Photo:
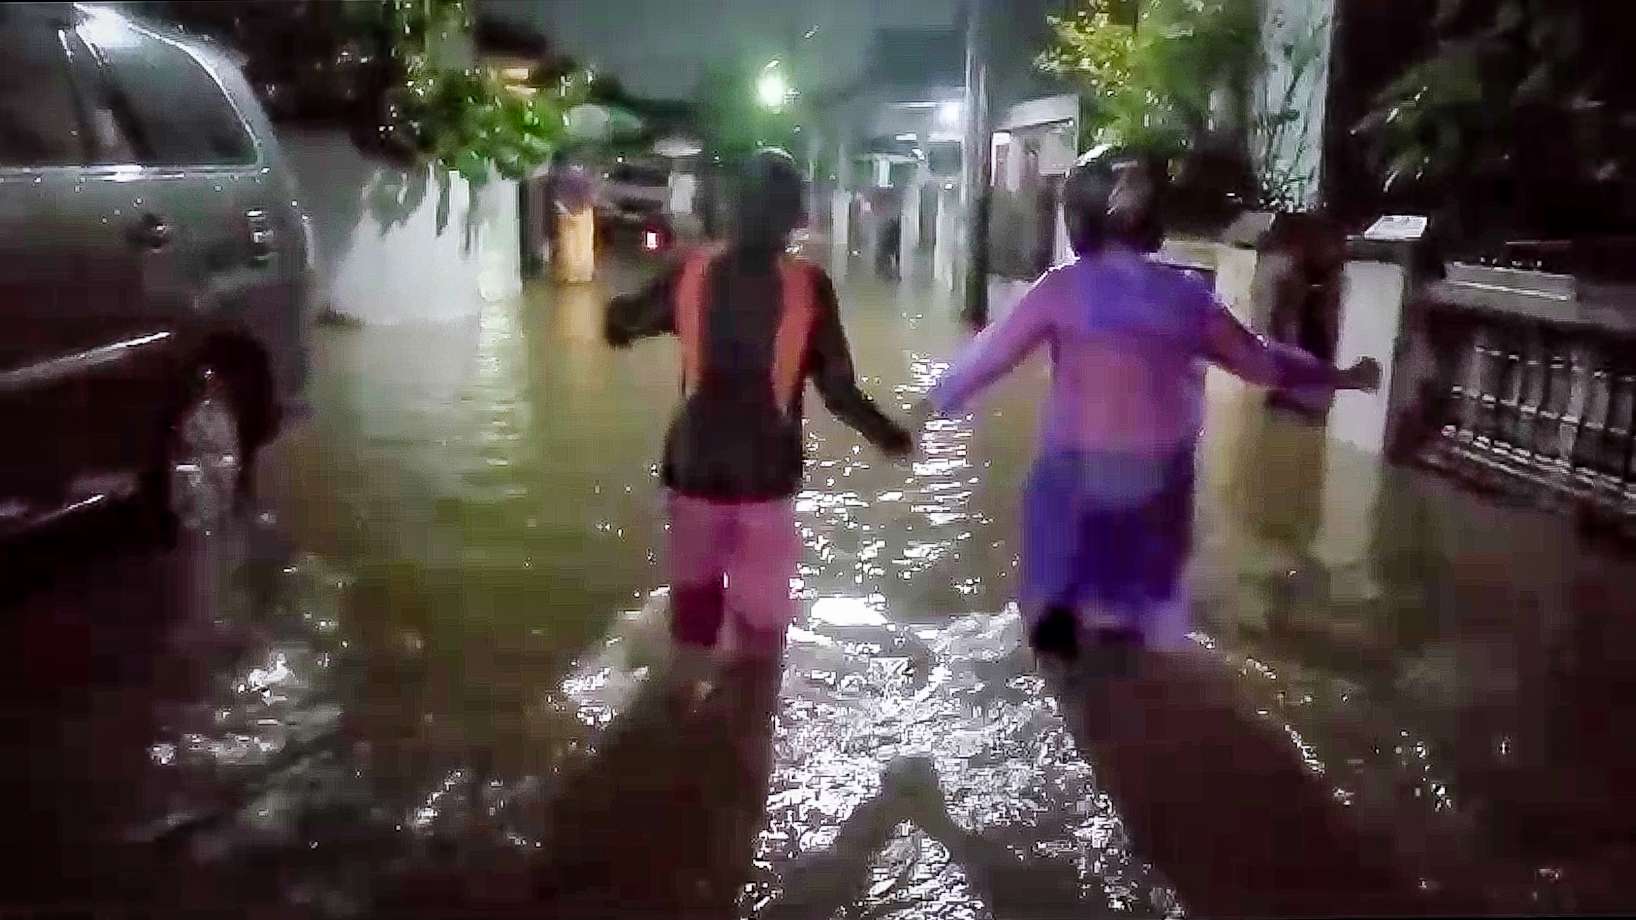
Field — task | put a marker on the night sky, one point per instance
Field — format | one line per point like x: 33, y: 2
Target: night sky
x: 659, y: 48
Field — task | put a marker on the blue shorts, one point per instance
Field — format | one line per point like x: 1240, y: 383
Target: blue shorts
x: 1108, y: 534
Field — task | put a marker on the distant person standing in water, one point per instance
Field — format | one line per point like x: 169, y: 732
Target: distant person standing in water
x: 886, y: 257
x: 754, y: 324
x: 573, y: 251
x: 1108, y: 508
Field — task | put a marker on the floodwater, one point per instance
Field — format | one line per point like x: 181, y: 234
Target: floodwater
x: 426, y: 675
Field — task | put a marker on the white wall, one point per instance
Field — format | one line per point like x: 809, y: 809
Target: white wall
x: 1041, y: 111
x: 410, y: 273
x: 948, y: 242
x: 1371, y: 315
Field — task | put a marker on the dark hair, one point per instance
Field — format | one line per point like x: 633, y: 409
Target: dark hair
x: 1115, y: 196
x: 771, y: 193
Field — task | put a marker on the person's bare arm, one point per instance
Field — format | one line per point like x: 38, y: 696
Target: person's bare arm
x: 650, y: 312
x: 1252, y: 358
x: 837, y: 382
x: 994, y: 353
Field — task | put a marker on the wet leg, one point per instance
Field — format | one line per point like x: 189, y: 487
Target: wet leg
x: 1056, y: 632
x: 766, y: 550
x: 698, y: 543
x: 1050, y: 559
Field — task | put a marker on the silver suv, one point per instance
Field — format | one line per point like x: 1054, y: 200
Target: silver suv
x: 154, y: 270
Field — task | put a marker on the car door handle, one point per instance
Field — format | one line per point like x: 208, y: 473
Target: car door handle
x: 262, y: 235
x: 150, y: 232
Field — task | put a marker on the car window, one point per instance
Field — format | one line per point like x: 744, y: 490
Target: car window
x: 173, y: 110
x: 38, y: 122
x: 108, y: 139
x: 637, y: 175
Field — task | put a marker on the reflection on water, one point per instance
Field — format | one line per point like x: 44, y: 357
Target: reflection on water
x: 434, y: 675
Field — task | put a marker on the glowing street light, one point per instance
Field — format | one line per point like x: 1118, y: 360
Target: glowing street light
x: 771, y: 88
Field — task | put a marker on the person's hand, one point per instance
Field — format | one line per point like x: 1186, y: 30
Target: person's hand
x: 1363, y: 375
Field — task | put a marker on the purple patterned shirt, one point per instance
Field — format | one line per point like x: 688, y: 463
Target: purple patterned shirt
x: 1129, y: 339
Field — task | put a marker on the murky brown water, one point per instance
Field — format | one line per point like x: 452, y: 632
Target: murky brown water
x: 424, y: 680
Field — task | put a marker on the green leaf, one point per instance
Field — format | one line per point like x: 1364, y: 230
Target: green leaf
x: 536, y: 148
x: 1409, y: 167
x: 447, y: 142
x: 463, y: 119
x: 472, y: 166
x: 511, y: 168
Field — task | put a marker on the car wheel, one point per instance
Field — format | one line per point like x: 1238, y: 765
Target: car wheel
x: 206, y: 460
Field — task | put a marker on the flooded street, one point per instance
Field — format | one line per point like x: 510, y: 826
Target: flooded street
x: 422, y: 678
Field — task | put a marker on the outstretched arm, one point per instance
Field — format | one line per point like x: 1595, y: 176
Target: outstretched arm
x: 650, y: 312
x: 995, y: 352
x: 1256, y: 360
x: 837, y: 383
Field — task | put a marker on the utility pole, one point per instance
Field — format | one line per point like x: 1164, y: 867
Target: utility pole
x: 976, y: 171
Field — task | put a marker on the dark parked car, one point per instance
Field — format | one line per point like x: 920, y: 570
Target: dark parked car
x: 631, y: 213
x: 154, y: 270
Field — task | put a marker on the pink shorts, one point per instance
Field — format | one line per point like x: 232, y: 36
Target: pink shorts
x: 732, y: 558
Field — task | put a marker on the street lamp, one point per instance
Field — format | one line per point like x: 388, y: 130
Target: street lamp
x: 771, y: 87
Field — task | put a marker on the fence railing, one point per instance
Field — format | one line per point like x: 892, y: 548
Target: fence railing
x: 1550, y: 406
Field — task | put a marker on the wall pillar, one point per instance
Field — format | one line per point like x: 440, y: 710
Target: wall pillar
x: 840, y: 205
x: 909, y: 220
x: 946, y: 243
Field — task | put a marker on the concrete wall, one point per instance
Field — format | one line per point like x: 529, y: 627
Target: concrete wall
x: 947, y: 243
x: 1040, y: 111
x: 410, y: 272
x: 1371, y: 316
x: 1339, y: 478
